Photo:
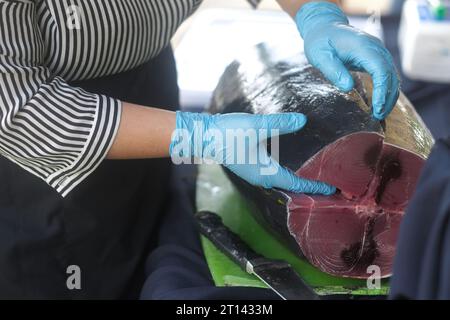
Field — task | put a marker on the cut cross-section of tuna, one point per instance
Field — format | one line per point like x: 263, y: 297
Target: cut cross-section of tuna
x: 342, y: 238
x: 375, y: 165
x: 356, y: 228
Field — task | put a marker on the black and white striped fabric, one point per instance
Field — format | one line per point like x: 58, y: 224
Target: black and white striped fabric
x: 57, y: 132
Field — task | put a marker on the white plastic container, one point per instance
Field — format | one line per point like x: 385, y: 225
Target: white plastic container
x: 424, y: 43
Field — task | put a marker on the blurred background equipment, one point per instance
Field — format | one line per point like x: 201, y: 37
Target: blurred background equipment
x: 364, y: 7
x: 216, y: 34
x: 424, y: 40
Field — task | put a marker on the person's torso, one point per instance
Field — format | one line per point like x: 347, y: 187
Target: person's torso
x: 106, y: 226
x: 85, y: 39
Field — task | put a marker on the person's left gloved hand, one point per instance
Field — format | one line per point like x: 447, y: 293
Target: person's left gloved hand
x: 236, y: 140
x: 335, y: 47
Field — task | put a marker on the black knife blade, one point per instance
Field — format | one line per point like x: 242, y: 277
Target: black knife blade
x: 276, y: 274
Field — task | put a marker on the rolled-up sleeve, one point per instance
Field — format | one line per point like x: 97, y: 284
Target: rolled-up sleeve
x: 54, y: 131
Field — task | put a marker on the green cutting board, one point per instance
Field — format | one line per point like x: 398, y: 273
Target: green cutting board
x: 216, y: 193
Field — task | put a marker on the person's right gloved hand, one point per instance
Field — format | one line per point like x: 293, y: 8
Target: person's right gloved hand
x: 335, y: 47
x: 207, y: 137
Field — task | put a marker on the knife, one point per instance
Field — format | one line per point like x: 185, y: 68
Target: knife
x: 276, y: 274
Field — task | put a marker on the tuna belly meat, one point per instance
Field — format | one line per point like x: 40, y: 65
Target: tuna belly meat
x: 356, y: 228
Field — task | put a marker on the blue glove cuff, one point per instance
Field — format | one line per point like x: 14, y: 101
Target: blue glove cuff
x: 189, y: 128
x: 313, y: 14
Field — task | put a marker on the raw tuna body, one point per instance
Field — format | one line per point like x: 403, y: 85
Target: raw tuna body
x: 374, y: 165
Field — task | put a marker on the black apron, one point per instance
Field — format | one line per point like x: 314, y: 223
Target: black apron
x: 106, y: 226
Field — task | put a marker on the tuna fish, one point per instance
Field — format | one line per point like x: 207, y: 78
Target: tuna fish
x: 375, y: 165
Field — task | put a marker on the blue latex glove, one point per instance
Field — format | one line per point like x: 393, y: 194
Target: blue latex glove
x: 204, y: 136
x: 335, y: 47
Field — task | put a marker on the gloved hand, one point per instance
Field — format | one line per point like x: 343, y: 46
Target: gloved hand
x: 208, y: 137
x: 335, y: 47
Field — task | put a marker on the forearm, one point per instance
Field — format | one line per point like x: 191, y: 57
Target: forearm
x: 146, y: 132
x: 292, y: 6
x: 143, y: 133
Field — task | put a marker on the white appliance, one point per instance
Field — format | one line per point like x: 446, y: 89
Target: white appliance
x: 424, y: 40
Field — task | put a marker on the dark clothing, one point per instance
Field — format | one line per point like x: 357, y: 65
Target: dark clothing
x: 177, y: 269
x: 105, y: 226
x: 422, y: 263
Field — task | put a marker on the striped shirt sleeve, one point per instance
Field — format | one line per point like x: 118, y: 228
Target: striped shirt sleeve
x: 54, y: 131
